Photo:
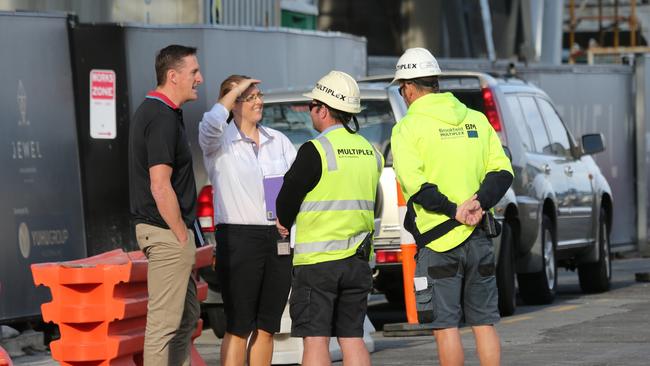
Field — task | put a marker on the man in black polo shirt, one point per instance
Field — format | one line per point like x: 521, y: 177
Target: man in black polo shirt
x: 163, y: 205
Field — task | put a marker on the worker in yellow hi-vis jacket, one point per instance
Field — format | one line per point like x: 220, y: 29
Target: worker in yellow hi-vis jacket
x: 452, y: 170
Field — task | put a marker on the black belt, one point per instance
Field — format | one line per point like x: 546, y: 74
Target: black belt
x: 239, y: 227
x: 422, y: 239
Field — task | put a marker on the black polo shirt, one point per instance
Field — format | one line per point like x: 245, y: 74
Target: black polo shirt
x: 157, y: 136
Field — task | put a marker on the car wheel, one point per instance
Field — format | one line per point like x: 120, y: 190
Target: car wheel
x: 595, y: 277
x: 217, y: 319
x: 506, y: 272
x: 539, y: 287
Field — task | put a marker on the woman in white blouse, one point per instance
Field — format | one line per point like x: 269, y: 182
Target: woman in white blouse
x: 254, y: 269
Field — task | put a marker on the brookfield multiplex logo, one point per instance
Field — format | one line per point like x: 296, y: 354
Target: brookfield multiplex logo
x: 459, y: 132
x: 471, y: 130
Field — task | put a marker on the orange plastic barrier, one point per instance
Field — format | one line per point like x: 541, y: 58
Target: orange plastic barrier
x: 408, y: 261
x: 100, y: 306
x: 4, y: 358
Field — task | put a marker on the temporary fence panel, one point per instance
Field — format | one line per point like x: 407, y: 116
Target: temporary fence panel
x: 41, y: 217
x: 642, y: 139
x: 100, y: 87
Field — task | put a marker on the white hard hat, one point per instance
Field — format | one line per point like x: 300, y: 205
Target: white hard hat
x: 339, y: 91
x: 416, y: 63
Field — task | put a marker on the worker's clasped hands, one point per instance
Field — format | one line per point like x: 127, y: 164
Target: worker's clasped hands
x: 469, y: 212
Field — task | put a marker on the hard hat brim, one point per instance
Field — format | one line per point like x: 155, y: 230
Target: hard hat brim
x: 311, y: 95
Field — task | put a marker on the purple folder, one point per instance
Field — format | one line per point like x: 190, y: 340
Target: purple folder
x: 272, y: 185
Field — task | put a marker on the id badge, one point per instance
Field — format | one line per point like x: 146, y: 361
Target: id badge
x: 420, y: 283
x: 283, y: 248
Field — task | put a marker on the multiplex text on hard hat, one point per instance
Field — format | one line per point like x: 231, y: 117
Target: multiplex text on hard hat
x: 339, y: 91
x: 416, y: 63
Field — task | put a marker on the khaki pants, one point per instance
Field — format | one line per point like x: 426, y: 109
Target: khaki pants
x: 173, y: 309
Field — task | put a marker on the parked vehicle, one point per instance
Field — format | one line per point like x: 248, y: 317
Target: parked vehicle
x: 558, y: 211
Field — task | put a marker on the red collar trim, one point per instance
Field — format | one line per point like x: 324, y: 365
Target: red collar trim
x: 163, y: 98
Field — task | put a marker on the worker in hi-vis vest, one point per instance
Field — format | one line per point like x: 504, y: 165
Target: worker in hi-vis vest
x: 452, y: 169
x: 329, y: 192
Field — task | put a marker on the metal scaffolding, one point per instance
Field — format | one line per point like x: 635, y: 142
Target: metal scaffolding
x: 614, y: 26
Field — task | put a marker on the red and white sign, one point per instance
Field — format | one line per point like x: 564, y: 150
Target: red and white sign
x: 102, y: 104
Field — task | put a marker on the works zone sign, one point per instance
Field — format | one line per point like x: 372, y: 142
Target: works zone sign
x: 102, y: 104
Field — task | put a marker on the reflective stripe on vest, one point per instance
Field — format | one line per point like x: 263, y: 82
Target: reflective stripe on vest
x: 329, y: 153
x: 378, y: 158
x: 338, y: 205
x: 327, y: 246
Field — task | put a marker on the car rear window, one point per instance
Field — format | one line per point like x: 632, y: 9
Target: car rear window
x: 292, y: 118
x: 471, y: 99
x: 466, y: 89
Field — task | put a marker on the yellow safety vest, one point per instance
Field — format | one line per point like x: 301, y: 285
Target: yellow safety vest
x: 338, y: 213
x: 442, y: 142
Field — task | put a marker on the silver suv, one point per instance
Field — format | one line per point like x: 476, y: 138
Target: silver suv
x: 557, y: 213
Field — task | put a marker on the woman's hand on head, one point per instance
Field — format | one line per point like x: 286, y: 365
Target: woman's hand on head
x: 237, y: 89
x: 243, y: 85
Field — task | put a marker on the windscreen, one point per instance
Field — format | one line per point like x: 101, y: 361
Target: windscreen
x: 293, y: 119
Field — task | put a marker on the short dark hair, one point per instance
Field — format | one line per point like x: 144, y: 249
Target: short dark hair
x: 425, y: 84
x: 171, y: 57
x: 339, y: 116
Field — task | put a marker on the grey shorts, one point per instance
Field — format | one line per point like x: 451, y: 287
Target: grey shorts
x: 459, y: 282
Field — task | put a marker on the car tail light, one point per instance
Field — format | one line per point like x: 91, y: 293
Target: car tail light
x: 205, y: 209
x: 388, y: 256
x: 491, y: 111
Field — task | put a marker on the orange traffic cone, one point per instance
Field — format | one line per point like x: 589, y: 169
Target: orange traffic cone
x: 409, y: 249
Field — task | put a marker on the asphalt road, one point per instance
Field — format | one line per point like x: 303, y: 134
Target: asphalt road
x: 611, y: 328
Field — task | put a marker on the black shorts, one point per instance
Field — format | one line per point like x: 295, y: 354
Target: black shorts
x: 254, y: 279
x: 330, y: 299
